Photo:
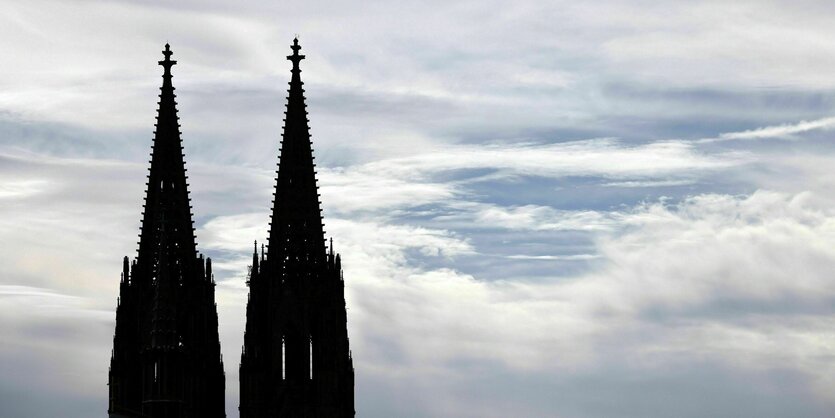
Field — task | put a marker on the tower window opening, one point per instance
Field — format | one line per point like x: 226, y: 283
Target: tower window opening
x: 283, y: 360
x: 311, y: 357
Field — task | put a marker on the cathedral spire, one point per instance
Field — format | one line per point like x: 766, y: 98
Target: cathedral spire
x: 296, y: 232
x: 167, y: 198
x: 166, y: 359
x: 296, y: 358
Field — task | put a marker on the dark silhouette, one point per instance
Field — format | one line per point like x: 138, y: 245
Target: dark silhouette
x: 166, y: 358
x: 296, y: 361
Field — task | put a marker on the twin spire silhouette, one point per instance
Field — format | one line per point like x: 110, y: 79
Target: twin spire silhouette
x: 295, y: 362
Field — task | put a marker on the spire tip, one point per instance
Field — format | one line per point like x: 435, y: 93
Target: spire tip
x: 167, y: 62
x: 295, y: 57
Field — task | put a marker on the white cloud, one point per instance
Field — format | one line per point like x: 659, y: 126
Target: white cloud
x: 650, y: 183
x: 23, y: 188
x: 661, y: 290
x: 528, y: 217
x: 363, y: 189
x: 573, y: 257
x: 785, y: 131
x: 607, y: 158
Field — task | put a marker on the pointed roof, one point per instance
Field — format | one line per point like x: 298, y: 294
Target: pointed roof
x: 167, y: 202
x: 296, y: 231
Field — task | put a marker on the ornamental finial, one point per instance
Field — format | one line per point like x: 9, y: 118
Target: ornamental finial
x: 295, y: 57
x: 167, y: 62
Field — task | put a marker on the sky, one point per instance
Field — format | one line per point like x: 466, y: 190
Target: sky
x: 544, y: 208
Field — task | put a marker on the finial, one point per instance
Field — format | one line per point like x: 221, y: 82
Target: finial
x: 295, y: 57
x: 167, y: 62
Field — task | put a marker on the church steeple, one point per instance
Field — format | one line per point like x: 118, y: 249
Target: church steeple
x: 296, y: 360
x: 166, y: 360
x: 296, y: 231
x: 167, y: 200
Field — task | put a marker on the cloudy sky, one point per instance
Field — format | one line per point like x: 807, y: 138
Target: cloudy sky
x: 545, y: 209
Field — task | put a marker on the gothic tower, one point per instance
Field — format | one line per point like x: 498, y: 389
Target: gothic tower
x: 296, y: 361
x: 166, y: 360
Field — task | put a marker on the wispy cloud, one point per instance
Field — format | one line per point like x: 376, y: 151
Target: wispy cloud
x: 528, y: 218
x: 602, y: 158
x: 573, y: 257
x: 785, y: 131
